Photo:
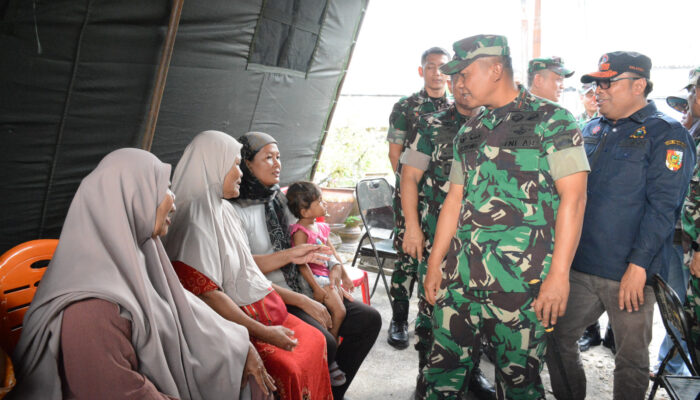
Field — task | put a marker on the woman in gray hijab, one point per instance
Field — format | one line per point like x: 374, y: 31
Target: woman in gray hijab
x: 208, y: 248
x: 110, y: 319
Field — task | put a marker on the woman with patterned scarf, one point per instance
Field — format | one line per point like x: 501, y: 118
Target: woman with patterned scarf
x: 265, y: 216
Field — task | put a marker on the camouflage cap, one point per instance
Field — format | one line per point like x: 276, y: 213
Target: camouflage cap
x: 474, y: 47
x: 693, y: 78
x: 554, y: 64
x: 586, y: 87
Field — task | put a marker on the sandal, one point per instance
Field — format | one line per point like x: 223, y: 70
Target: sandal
x: 337, y: 376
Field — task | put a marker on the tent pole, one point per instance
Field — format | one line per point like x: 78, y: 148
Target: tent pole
x: 162, y: 74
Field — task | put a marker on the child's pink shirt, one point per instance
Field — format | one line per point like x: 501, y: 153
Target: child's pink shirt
x: 323, y: 231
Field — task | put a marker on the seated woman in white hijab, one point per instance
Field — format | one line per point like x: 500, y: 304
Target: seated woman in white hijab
x: 207, y: 246
x: 110, y: 319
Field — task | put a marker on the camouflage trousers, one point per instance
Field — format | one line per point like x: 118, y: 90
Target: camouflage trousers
x: 692, y: 304
x: 406, y: 267
x: 424, y: 319
x: 506, y: 321
x: 405, y: 272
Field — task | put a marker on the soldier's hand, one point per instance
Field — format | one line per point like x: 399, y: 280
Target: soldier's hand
x: 695, y: 264
x: 551, y: 301
x: 413, y: 242
x: 432, y: 281
x: 631, y: 294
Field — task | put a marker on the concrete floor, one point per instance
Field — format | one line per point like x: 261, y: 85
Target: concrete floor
x: 388, y: 373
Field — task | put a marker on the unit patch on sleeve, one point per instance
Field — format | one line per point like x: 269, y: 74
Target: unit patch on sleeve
x: 674, y: 159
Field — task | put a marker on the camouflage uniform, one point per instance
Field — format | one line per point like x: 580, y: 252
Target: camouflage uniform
x: 690, y: 219
x: 508, y: 160
x: 431, y: 152
x: 583, y: 119
x: 402, y: 131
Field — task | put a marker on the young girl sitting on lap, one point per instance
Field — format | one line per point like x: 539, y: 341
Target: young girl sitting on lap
x: 306, y: 203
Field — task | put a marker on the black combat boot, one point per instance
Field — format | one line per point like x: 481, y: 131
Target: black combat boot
x: 398, y: 329
x: 479, y: 386
x: 590, y: 338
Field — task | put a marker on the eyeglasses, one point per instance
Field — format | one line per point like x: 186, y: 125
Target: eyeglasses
x: 605, y: 83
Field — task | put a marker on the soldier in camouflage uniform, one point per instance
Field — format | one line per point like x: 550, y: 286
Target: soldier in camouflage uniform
x: 402, y: 122
x: 590, y: 107
x: 679, y: 273
x: 545, y: 77
x: 425, y: 170
x: 691, y: 211
x: 519, y: 170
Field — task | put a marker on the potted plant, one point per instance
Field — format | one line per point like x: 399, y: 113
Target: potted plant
x: 353, y: 221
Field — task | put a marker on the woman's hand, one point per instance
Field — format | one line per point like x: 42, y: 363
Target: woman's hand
x: 347, y: 282
x: 339, y: 281
x: 320, y: 295
x: 254, y: 367
x: 317, y: 311
x: 309, y: 253
x: 279, y: 336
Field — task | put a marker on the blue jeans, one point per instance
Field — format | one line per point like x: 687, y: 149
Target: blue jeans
x: 678, y: 276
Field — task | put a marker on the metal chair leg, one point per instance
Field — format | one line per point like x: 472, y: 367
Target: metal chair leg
x: 380, y: 272
x: 374, y: 287
x: 357, y: 251
x: 386, y: 286
x: 660, y: 371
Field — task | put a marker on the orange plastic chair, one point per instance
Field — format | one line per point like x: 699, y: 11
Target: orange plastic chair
x: 21, y: 269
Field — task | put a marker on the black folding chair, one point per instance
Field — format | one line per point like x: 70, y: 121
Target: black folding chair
x: 676, y: 323
x: 374, y: 198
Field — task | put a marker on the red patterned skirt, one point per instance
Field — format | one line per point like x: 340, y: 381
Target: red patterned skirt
x: 300, y: 374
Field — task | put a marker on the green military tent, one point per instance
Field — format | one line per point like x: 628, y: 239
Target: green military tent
x: 80, y: 78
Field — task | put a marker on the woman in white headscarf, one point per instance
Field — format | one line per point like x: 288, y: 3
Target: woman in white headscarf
x: 209, y: 252
x: 110, y: 319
